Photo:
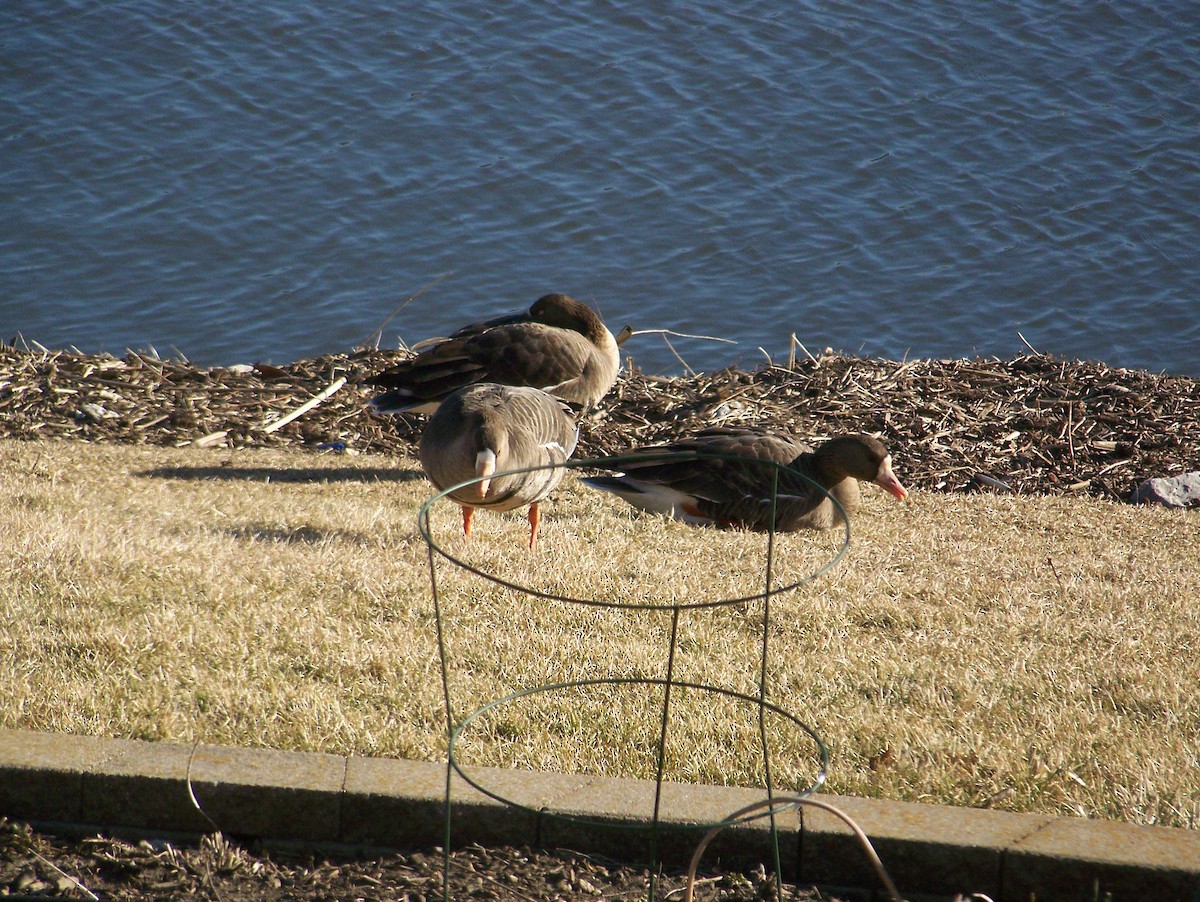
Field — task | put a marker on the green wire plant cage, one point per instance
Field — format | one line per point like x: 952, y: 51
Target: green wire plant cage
x: 660, y: 692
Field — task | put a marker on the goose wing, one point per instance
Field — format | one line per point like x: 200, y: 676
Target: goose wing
x: 518, y: 353
x: 721, y: 475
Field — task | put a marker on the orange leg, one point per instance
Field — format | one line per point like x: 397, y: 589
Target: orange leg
x: 468, y: 513
x: 534, y: 519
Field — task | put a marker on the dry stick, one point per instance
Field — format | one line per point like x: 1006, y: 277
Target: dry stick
x: 211, y: 438
x: 377, y: 335
x: 687, y: 370
x: 1071, y: 433
x: 211, y: 884
x: 306, y: 406
x: 1054, y: 570
x: 1036, y: 352
x: 1119, y: 463
x: 797, y: 343
x: 701, y: 881
x: 74, y: 880
x: 728, y: 341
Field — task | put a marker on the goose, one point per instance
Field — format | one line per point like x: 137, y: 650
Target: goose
x: 483, y: 430
x: 560, y: 346
x: 736, y: 492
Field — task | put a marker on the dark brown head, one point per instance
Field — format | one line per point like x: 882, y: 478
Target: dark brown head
x: 862, y: 457
x: 565, y: 312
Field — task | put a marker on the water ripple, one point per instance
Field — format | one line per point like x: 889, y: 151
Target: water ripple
x: 269, y: 182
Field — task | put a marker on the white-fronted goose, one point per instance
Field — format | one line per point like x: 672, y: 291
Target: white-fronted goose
x: 560, y: 346
x: 485, y: 429
x: 736, y: 492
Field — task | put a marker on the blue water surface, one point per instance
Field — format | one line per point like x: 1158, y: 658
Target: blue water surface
x: 271, y: 181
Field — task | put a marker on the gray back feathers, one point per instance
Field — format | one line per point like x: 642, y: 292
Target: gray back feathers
x: 520, y: 427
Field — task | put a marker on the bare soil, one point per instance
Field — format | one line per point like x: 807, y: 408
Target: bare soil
x: 40, y: 865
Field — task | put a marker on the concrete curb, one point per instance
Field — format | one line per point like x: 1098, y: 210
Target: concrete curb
x: 134, y: 786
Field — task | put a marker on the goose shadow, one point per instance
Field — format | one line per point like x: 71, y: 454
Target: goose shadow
x: 294, y: 535
x: 291, y: 475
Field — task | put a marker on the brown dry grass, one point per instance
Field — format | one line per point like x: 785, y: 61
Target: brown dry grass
x: 1026, y: 653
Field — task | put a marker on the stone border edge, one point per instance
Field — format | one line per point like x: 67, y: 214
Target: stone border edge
x: 147, y: 788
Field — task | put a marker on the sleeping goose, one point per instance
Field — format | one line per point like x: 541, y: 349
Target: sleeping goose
x: 485, y: 429
x: 560, y: 346
x: 737, y: 492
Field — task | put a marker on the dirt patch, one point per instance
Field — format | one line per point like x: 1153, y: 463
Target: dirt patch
x: 1033, y: 424
x: 42, y: 865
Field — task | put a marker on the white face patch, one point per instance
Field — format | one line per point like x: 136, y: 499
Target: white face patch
x: 887, y: 479
x: 885, y: 467
x: 485, y: 466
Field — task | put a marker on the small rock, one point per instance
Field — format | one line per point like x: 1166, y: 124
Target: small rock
x: 93, y: 412
x: 28, y: 883
x: 727, y: 409
x: 1171, y: 491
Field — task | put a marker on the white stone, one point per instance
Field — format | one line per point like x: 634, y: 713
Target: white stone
x: 1172, y: 491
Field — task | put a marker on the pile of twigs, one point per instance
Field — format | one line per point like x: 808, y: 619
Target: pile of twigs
x: 1031, y: 424
x: 139, y: 398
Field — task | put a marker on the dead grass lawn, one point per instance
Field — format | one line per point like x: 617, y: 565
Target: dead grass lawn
x: 1025, y: 653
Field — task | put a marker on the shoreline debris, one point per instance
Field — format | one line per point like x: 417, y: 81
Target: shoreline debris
x: 1034, y: 424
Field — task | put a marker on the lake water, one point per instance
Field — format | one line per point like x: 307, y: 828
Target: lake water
x: 269, y: 181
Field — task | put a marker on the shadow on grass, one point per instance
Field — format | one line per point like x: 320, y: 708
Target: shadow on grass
x: 299, y: 535
x: 287, y: 475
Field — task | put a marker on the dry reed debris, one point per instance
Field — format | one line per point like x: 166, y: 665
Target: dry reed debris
x: 1032, y: 424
